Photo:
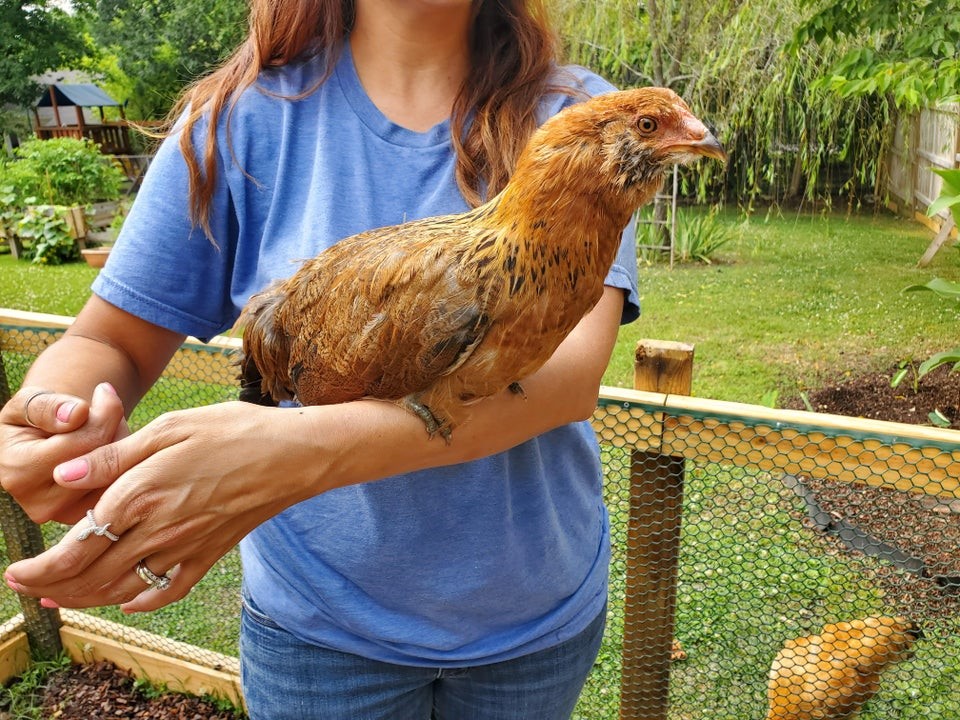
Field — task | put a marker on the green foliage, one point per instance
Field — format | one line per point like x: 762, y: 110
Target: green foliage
x: 950, y: 291
x: 949, y: 198
x: 63, y: 171
x: 150, y: 50
x: 46, y: 176
x: 905, y: 50
x: 34, y: 37
x: 699, y: 236
x: 789, y: 140
x: 906, y: 368
x: 14, y: 121
x: 20, y: 699
x: 44, y: 227
x: 949, y: 194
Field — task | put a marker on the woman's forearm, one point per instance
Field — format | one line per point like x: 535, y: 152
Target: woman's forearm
x: 562, y: 391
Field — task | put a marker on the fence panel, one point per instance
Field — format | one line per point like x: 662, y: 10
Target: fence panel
x: 790, y: 525
x: 930, y: 139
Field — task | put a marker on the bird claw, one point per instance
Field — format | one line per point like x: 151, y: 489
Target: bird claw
x: 434, y: 424
x: 517, y: 389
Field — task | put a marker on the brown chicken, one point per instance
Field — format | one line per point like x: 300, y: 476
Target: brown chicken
x: 441, y: 312
x: 831, y: 675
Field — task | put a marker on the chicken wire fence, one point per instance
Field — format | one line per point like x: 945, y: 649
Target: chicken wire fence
x: 765, y: 564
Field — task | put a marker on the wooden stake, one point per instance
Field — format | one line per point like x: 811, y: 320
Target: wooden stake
x: 653, y: 545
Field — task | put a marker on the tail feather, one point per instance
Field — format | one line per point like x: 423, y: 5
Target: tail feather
x: 264, y: 365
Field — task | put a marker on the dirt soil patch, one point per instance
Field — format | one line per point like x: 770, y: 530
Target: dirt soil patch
x: 921, y: 525
x: 102, y: 691
x: 870, y: 395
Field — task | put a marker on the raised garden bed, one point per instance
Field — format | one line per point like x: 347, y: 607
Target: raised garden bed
x: 110, y: 656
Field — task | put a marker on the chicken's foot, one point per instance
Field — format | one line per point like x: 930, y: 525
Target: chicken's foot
x: 434, y: 424
x: 517, y: 389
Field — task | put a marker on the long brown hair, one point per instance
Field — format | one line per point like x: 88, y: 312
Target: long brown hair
x: 513, y: 51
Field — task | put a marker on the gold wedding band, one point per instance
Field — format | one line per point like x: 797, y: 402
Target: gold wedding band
x: 26, y: 407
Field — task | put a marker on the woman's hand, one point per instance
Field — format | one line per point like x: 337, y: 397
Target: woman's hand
x: 39, y: 430
x: 178, y: 494
x: 73, y: 400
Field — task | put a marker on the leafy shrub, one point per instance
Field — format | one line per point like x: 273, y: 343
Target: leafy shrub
x: 949, y: 198
x: 63, y: 171
x: 45, y: 227
x: 698, y: 238
x: 44, y: 177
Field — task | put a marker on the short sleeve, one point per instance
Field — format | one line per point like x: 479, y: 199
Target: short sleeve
x: 163, y: 268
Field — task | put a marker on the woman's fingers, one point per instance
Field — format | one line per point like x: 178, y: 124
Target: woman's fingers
x: 115, y: 514
x: 45, y: 410
x: 178, y: 493
x: 38, y: 430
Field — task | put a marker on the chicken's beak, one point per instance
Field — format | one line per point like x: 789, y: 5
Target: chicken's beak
x: 694, y: 140
x: 710, y: 147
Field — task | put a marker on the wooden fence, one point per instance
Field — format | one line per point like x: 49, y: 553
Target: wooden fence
x: 924, y: 141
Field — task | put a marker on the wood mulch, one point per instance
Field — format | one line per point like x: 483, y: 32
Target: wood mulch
x: 104, y: 692
x: 923, y: 526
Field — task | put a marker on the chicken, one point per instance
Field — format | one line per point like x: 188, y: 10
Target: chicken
x: 439, y: 313
x: 831, y: 675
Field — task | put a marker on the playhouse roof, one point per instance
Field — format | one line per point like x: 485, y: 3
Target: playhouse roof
x: 82, y: 94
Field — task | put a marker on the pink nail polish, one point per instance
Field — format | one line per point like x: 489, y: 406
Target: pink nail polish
x: 72, y: 470
x: 65, y: 410
x: 13, y: 584
x: 48, y: 603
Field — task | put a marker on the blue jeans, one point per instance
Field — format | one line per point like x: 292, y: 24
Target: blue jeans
x: 284, y: 677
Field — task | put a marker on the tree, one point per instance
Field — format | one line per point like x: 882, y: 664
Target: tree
x: 35, y: 36
x: 905, y: 50
x: 789, y: 140
x: 154, y: 48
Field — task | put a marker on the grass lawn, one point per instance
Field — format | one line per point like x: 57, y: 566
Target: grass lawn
x: 794, y: 301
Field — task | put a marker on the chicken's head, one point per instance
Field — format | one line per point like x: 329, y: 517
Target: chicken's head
x: 626, y: 141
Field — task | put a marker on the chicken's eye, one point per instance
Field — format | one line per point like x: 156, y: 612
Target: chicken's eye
x: 647, y: 125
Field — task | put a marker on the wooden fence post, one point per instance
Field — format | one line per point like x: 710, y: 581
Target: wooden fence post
x: 653, y: 540
x: 24, y: 539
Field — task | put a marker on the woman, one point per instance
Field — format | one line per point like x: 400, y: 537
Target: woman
x: 470, y: 581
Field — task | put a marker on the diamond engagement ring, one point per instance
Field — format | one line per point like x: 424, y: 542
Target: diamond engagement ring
x: 160, y: 582
x: 95, y: 529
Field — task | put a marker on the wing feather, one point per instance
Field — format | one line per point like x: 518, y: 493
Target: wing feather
x: 411, y: 318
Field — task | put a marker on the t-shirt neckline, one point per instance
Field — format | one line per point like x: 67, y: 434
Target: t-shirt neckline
x: 371, y: 116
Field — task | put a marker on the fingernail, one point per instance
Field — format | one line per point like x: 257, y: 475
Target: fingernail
x: 71, y: 470
x: 65, y: 410
x: 109, y: 388
x: 48, y: 603
x: 13, y: 584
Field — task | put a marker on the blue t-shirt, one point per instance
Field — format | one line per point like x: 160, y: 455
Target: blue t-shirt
x: 473, y: 563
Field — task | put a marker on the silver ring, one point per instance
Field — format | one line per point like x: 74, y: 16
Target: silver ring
x: 95, y: 529
x: 160, y: 582
x: 26, y: 407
